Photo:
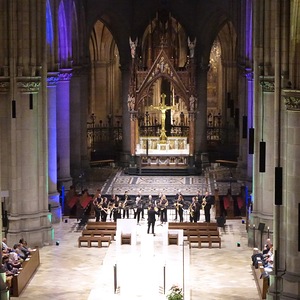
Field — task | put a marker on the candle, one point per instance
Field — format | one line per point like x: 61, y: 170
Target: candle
x: 268, y: 232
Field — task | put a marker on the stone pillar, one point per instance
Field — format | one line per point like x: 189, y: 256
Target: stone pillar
x: 250, y: 113
x: 191, y: 159
x: 75, y: 123
x: 126, y: 123
x: 133, y: 132
x: 289, y: 225
x: 84, y: 93
x: 63, y: 127
x: 266, y: 119
x: 201, y: 158
x: 53, y: 195
x: 27, y: 138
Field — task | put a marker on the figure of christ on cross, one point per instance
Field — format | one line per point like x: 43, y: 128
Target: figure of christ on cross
x: 163, y: 108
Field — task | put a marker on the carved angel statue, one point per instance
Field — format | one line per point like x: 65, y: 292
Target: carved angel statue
x: 192, y: 102
x: 131, y: 102
x: 192, y: 45
x: 133, y: 45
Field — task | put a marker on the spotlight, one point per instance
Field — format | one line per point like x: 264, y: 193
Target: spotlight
x: 238, y: 244
x: 57, y: 243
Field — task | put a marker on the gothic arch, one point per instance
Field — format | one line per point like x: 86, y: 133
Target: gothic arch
x: 105, y: 98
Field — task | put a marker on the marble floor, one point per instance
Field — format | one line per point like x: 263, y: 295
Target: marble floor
x: 144, y: 271
x: 147, y: 269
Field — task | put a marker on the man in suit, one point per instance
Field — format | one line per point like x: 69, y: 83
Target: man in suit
x: 151, y: 218
x: 209, y: 202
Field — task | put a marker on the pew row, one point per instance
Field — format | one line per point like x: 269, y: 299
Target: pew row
x: 261, y: 280
x: 90, y: 240
x: 199, y: 233
x: 29, y: 266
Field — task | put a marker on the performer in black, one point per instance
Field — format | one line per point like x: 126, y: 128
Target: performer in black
x: 152, y: 211
x: 199, y: 198
x: 209, y: 202
x: 176, y: 202
x: 139, y: 206
x: 116, y: 209
x: 125, y: 205
x: 179, y: 207
x: 163, y: 209
x: 104, y: 210
x: 97, y: 205
x: 111, y: 205
x: 194, y: 210
x: 142, y: 203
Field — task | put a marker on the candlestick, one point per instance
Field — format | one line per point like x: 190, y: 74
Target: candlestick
x: 268, y: 232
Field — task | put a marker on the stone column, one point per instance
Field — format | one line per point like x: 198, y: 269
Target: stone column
x: 201, y: 157
x: 266, y: 119
x: 126, y: 123
x: 75, y: 123
x: 84, y: 93
x: 27, y: 156
x: 289, y: 225
x: 53, y: 195
x: 63, y: 127
x: 133, y: 132
x: 250, y: 113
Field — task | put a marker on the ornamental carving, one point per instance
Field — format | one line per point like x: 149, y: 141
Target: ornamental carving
x: 65, y: 75
x: 28, y: 85
x: 52, y: 80
x: 268, y: 86
x: 267, y: 83
x: 292, y: 103
x: 4, y: 87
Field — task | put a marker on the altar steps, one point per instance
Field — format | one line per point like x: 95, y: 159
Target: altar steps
x: 162, y: 171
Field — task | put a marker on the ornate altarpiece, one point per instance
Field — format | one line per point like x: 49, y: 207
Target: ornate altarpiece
x: 162, y: 97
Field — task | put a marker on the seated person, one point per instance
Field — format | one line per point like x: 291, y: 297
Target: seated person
x: 267, y: 246
x: 17, y: 255
x: 18, y: 249
x: 25, y: 248
x: 5, y: 248
x: 268, y: 259
x: 9, y: 267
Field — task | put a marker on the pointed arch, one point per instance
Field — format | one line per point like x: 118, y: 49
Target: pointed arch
x: 64, y: 48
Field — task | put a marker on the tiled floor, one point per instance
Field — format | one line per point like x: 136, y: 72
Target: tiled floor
x: 68, y: 272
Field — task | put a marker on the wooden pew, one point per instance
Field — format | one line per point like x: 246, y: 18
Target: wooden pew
x: 205, y: 239
x: 200, y: 233
x: 101, y: 226
x: 89, y: 240
x: 99, y: 232
x: 29, y: 267
x: 184, y: 225
x: 261, y: 281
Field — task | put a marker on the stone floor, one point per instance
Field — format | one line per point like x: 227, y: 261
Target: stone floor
x: 149, y: 268
x: 68, y: 272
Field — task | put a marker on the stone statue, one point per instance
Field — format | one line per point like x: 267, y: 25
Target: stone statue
x: 133, y: 45
x: 192, y: 45
x: 192, y: 102
x: 131, y: 103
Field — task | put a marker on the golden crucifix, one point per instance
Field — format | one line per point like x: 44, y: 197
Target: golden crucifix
x: 163, y: 108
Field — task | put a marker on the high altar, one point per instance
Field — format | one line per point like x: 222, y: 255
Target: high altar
x: 162, y: 97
